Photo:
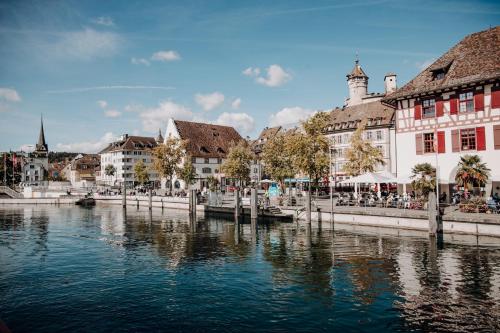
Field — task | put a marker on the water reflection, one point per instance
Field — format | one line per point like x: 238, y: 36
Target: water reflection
x: 284, y: 273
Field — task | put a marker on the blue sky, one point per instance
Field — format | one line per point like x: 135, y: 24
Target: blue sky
x: 97, y: 69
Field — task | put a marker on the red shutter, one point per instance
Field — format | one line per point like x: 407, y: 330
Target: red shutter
x: 418, y: 110
x: 419, y: 144
x: 479, y: 101
x: 495, y: 99
x: 496, y: 136
x: 455, y: 141
x: 480, y: 139
x: 453, y: 105
x: 441, y: 143
x: 439, y: 108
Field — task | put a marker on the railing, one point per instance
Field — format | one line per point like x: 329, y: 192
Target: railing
x: 11, y: 193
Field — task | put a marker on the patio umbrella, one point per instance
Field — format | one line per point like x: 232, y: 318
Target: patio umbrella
x: 368, y: 178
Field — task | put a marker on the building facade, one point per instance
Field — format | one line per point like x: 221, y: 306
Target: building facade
x: 81, y: 171
x: 36, y: 164
x: 452, y: 109
x: 123, y: 155
x: 368, y: 107
x: 257, y: 168
x: 207, y: 146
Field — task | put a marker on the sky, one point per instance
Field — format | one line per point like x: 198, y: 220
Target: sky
x: 99, y: 69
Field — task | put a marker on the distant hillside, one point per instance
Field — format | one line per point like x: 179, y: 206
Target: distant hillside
x: 60, y: 156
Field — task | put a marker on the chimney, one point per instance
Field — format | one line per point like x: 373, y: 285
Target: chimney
x: 390, y: 83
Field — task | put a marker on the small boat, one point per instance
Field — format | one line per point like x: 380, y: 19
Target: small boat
x: 86, y: 202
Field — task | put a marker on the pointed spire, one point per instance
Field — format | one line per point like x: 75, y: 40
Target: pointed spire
x: 159, y: 138
x: 357, y: 71
x: 41, y: 145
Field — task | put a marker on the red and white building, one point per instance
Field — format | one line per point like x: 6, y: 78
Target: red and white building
x: 450, y: 109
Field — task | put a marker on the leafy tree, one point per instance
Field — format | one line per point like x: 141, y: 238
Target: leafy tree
x: 237, y: 163
x: 188, y: 172
x: 423, y: 178
x: 361, y: 156
x: 277, y: 159
x: 471, y: 172
x: 167, y: 157
x: 141, y: 172
x: 110, y: 170
x: 213, y: 182
x: 309, y: 149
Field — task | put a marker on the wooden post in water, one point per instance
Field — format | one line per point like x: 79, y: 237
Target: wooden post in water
x: 150, y: 198
x: 308, y: 207
x: 435, y: 221
x: 192, y: 203
x: 237, y: 204
x: 124, y: 196
x: 137, y: 202
x: 253, y: 204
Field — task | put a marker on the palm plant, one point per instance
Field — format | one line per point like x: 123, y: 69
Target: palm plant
x: 110, y: 170
x: 423, y: 178
x: 471, y: 172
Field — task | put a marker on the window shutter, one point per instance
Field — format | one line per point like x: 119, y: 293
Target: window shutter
x: 441, y: 142
x: 419, y: 144
x: 495, y: 98
x: 455, y: 141
x: 496, y: 136
x: 479, y: 101
x: 418, y: 110
x: 439, y: 108
x: 453, y: 105
x: 480, y: 139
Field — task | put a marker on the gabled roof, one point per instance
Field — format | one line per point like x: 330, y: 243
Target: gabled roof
x: 131, y: 143
x: 475, y: 58
x: 207, y: 140
x: 347, y: 118
x: 266, y: 134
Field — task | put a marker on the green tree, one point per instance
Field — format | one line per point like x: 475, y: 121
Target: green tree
x: 110, y: 170
x: 213, y: 182
x: 141, y: 172
x: 277, y: 159
x: 423, y: 178
x: 309, y: 149
x: 471, y: 172
x: 188, y: 172
x: 167, y: 157
x: 361, y: 156
x: 238, y: 160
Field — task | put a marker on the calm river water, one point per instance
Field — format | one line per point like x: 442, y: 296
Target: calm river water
x: 72, y: 269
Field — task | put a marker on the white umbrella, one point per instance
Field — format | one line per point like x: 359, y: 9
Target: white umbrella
x: 266, y: 181
x: 370, y: 178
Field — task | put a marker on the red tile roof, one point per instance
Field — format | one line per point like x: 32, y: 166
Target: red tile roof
x: 131, y: 143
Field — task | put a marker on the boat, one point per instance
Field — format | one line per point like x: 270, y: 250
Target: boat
x: 86, y: 202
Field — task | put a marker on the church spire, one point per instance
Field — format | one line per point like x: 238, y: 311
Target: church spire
x: 41, y: 145
x: 159, y: 138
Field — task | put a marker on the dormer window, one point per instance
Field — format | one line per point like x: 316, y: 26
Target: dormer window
x: 220, y: 150
x: 204, y: 150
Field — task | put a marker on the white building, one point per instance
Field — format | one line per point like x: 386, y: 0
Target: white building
x: 363, y: 106
x: 207, y: 146
x: 451, y: 109
x: 81, y: 171
x: 36, y: 165
x: 257, y: 168
x: 123, y: 155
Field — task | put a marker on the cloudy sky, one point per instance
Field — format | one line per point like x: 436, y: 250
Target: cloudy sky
x: 97, y: 69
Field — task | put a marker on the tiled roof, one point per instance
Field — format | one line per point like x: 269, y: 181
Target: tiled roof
x: 131, y: 143
x: 207, y: 140
x: 475, y: 58
x: 92, y: 160
x: 347, y: 118
x: 357, y: 71
x: 266, y: 134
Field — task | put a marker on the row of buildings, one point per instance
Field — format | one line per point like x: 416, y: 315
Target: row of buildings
x: 450, y: 109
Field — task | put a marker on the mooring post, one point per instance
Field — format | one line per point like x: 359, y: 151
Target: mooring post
x: 150, y: 198
x: 253, y: 204
x: 308, y: 207
x: 192, y: 203
x: 124, y: 196
x: 237, y: 204
x: 137, y: 202
x: 161, y: 203
x: 435, y: 219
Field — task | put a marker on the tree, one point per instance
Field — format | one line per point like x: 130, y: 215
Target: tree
x: 167, y: 157
x: 237, y: 163
x: 188, y: 172
x: 213, y: 182
x: 361, y: 156
x: 110, y: 170
x: 423, y: 178
x: 141, y: 172
x: 276, y: 159
x: 309, y: 149
x: 471, y: 172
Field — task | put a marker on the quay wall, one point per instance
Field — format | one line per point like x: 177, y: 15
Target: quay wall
x: 39, y: 201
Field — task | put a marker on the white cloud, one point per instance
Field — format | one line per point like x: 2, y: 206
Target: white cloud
x: 289, y: 116
x: 102, y: 104
x: 276, y: 76
x: 241, y: 121
x: 250, y: 71
x: 209, y: 101
x: 112, y: 113
x: 140, y: 61
x: 87, y: 146
x: 27, y: 148
x: 165, y: 56
x: 104, y: 20
x: 154, y: 118
x: 235, y: 104
x: 85, y: 44
x: 85, y: 89
x: 421, y: 65
x: 9, y: 95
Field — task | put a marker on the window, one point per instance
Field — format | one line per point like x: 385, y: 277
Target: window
x: 339, y: 139
x: 468, y: 139
x: 381, y: 149
x: 346, y: 138
x: 193, y: 159
x: 379, y: 135
x: 368, y: 135
x: 255, y: 170
x: 466, y: 102
x: 429, y: 108
x: 207, y: 160
x: 219, y: 161
x: 429, y: 143
x: 206, y: 170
